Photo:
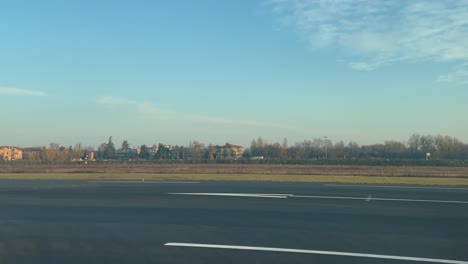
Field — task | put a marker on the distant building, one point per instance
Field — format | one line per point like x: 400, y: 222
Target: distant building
x: 29, y: 152
x: 88, y: 156
x: 5, y: 153
x: 17, y: 154
x: 153, y: 150
x: 10, y: 153
x: 91, y: 155
x: 230, y: 151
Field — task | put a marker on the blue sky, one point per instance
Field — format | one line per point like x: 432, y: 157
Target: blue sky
x: 229, y: 71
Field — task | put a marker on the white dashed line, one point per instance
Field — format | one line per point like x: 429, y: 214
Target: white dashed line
x: 319, y: 252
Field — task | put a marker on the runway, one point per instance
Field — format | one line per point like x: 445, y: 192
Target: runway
x: 230, y: 222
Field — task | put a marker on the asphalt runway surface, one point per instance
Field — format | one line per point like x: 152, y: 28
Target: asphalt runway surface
x: 230, y: 222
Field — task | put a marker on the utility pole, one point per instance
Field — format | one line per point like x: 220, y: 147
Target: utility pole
x: 326, y: 148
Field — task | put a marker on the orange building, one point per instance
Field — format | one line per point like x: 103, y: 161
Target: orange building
x: 230, y: 151
x: 10, y: 153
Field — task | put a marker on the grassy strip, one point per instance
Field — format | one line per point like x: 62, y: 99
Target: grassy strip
x: 239, y: 177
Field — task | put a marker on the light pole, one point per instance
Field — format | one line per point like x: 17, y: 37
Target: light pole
x: 326, y: 148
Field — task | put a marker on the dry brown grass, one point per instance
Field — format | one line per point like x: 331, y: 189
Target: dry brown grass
x: 441, y: 181
x: 240, y: 169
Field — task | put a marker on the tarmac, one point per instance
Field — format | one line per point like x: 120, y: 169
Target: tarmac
x: 230, y: 222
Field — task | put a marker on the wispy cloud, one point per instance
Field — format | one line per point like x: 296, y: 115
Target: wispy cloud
x: 459, y: 75
x: 144, y: 109
x: 149, y: 110
x: 20, y: 92
x: 374, y: 33
x: 364, y: 66
x: 245, y: 123
x: 111, y: 100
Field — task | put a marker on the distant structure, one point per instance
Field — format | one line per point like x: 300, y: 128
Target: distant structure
x: 153, y: 150
x: 30, y: 152
x: 10, y: 153
x: 257, y: 158
x: 230, y: 151
x: 91, y: 155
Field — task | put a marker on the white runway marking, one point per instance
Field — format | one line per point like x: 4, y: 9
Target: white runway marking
x: 396, y: 186
x: 319, y: 252
x: 379, y: 199
x: 256, y: 195
x: 284, y: 196
x: 160, y: 182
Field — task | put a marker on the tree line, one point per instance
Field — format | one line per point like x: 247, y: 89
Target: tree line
x: 416, y: 147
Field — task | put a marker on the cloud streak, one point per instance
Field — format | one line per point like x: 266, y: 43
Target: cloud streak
x: 20, y: 92
x: 144, y: 109
x: 375, y: 33
x: 245, y: 123
x: 149, y: 110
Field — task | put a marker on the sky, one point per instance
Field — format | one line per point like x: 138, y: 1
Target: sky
x: 230, y: 71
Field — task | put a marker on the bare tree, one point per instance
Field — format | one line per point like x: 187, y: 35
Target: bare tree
x: 413, y: 142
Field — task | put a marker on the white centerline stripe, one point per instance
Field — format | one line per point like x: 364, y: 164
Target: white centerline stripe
x: 256, y: 195
x: 284, y: 196
x: 320, y: 252
x: 396, y: 186
x: 160, y: 182
x: 379, y: 199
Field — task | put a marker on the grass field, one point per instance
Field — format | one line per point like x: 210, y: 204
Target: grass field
x: 237, y: 169
x: 447, y: 176
x: 440, y: 181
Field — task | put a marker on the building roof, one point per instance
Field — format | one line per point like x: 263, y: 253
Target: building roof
x: 228, y: 145
x: 33, y: 149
